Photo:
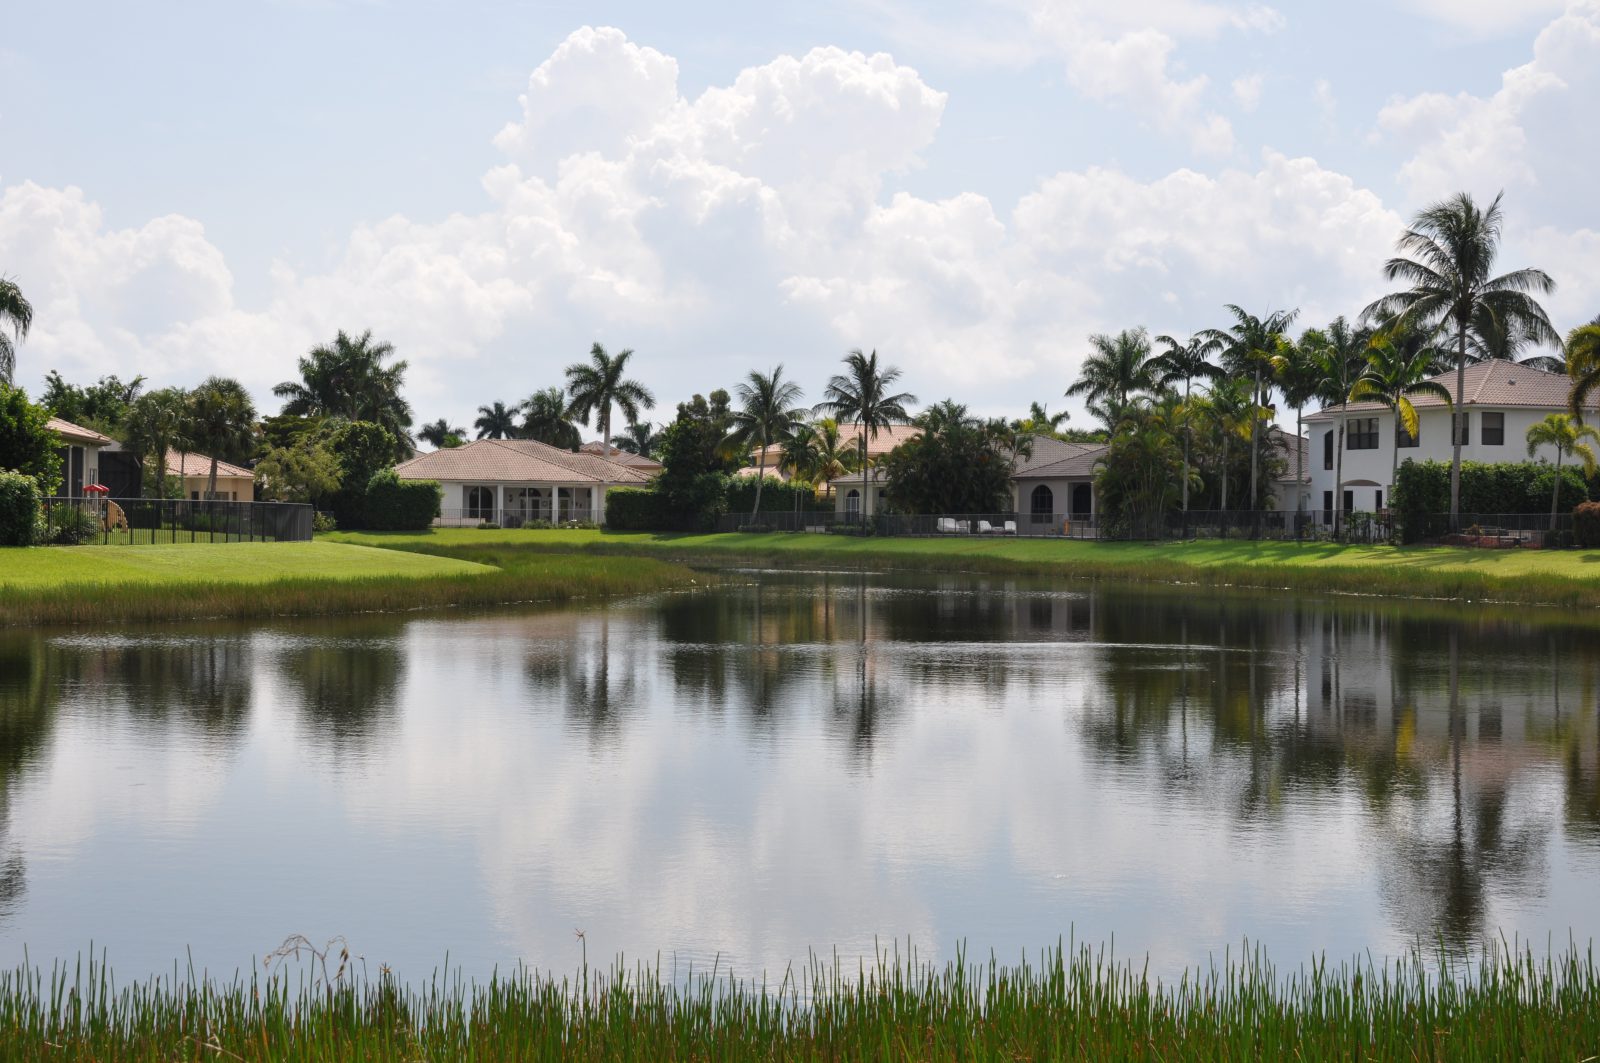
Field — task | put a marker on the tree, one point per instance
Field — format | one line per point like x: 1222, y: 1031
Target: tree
x: 155, y: 425
x: 639, y: 438
x: 1583, y: 365
x: 1566, y: 435
x: 861, y: 394
x: 221, y: 422
x: 1396, y: 371
x: 347, y: 379
x: 498, y: 421
x: 952, y: 466
x: 1041, y: 421
x: 1452, y: 247
x: 16, y: 312
x: 767, y: 412
x: 694, y: 460
x: 440, y: 435
x: 544, y: 420
x: 1117, y: 368
x: 1136, y: 480
x: 27, y: 445
x: 364, y: 449
x: 1337, y: 356
x: 1187, y: 362
x: 1300, y: 381
x: 102, y: 405
x: 594, y: 388
x: 1229, y: 409
x: 306, y: 472
x: 835, y: 456
x: 1247, y: 347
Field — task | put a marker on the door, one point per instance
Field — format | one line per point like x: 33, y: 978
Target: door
x: 1082, y: 501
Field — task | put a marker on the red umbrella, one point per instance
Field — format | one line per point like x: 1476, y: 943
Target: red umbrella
x: 96, y: 489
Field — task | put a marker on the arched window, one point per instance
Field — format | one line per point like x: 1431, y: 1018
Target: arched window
x: 480, y: 502
x: 1042, y: 503
x: 852, y: 503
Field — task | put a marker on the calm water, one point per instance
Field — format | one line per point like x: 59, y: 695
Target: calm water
x: 805, y: 761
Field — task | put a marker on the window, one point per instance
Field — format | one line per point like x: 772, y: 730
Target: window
x: 1349, y: 501
x: 1362, y: 434
x: 480, y: 502
x: 1042, y: 504
x: 1461, y: 425
x: 1377, y: 501
x: 1327, y: 453
x: 1327, y: 501
x: 852, y: 503
x: 1402, y: 438
x: 1494, y: 429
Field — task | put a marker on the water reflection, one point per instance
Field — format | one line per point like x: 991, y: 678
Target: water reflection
x: 344, y: 679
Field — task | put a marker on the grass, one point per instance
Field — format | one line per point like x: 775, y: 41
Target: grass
x: 1072, y: 1004
x: 95, y: 584
x: 1568, y: 578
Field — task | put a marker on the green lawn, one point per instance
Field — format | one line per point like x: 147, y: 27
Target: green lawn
x: 212, y: 564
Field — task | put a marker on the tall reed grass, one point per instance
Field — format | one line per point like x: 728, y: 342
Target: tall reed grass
x: 1072, y: 1003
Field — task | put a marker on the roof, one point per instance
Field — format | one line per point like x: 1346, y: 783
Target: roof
x: 1053, y: 459
x: 850, y: 437
x: 517, y: 461
x: 1493, y: 383
x: 621, y: 457
x: 191, y: 464
x: 1292, y: 447
x: 75, y: 433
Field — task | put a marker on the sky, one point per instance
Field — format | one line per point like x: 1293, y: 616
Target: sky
x: 971, y: 189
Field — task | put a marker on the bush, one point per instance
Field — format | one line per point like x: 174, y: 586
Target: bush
x: 1422, y: 491
x: 777, y: 496
x: 1586, y: 525
x: 751, y: 528
x: 27, y: 445
x: 324, y: 522
x: 70, y: 525
x: 638, y: 509
x: 393, y: 504
x: 19, y: 509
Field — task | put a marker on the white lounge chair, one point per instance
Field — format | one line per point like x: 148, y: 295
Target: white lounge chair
x: 984, y: 527
x: 1011, y: 527
x: 946, y: 525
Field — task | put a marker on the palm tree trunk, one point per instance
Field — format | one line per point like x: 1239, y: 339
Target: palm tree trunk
x: 1187, y: 433
x: 761, y: 478
x: 605, y: 430
x: 161, y: 473
x: 1299, y: 460
x: 1555, y: 494
x: 866, y: 486
x: 1224, y: 471
x: 1457, y: 419
x: 1338, y: 474
x: 211, y: 486
x: 1255, y: 421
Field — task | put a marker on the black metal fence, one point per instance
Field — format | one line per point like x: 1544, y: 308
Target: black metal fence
x: 1489, y: 529
x: 132, y: 521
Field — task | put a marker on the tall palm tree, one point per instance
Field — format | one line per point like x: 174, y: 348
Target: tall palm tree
x: 800, y: 456
x: 155, y: 426
x: 221, y: 420
x: 438, y: 434
x: 593, y: 388
x: 1394, y: 373
x: 1230, y: 409
x: 1116, y: 368
x: 1566, y: 435
x: 835, y: 456
x: 1582, y: 362
x: 1337, y: 356
x: 1300, y: 381
x: 1041, y: 420
x: 348, y: 379
x: 639, y: 438
x: 16, y: 312
x: 545, y: 420
x: 861, y: 394
x: 1450, y: 272
x: 1248, y: 347
x: 767, y: 411
x: 496, y: 421
x: 1187, y: 362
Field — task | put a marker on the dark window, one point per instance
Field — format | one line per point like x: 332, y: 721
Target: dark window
x: 1402, y: 438
x: 852, y: 503
x: 1494, y: 429
x: 1377, y: 500
x: 1363, y: 434
x: 480, y: 502
x: 1327, y: 501
x: 1349, y: 501
x: 1462, y: 427
x: 1327, y: 452
x: 1042, y: 503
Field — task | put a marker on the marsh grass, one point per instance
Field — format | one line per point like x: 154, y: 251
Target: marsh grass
x: 1072, y: 1003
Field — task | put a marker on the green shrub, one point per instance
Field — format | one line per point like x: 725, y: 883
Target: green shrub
x: 27, y: 445
x: 1422, y: 491
x: 70, y: 525
x: 393, y: 504
x: 19, y: 508
x: 1586, y: 525
x: 324, y: 522
x: 777, y: 496
x: 638, y: 509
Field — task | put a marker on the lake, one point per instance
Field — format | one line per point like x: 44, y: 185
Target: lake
x: 794, y: 762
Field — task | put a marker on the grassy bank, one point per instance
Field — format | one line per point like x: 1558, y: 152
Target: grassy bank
x: 110, y: 584
x: 1070, y: 1005
x: 1546, y: 577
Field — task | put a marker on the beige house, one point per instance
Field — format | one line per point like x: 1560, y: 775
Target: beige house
x: 80, y: 455
x: 510, y: 482
x: 849, y: 438
x: 235, y: 483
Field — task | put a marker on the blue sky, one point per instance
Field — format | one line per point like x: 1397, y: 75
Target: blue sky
x: 970, y: 188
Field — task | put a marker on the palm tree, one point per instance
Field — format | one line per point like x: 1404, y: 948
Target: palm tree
x: 348, y: 379
x: 835, y: 456
x: 155, y: 425
x: 596, y: 387
x: 1248, y: 346
x: 1117, y: 368
x: 1042, y: 420
x: 17, y: 312
x: 861, y: 394
x: 1187, y: 362
x: 766, y: 412
x: 1566, y: 435
x: 497, y: 421
x: 1396, y: 371
x: 221, y: 420
x: 1583, y: 364
x: 1452, y: 245
x: 439, y: 434
x: 639, y: 438
x: 800, y: 455
x: 1300, y: 381
x: 544, y: 420
x: 1336, y: 355
x: 1229, y: 408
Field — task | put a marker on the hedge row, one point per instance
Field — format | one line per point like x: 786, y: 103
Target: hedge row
x: 1422, y: 489
x: 650, y: 509
x: 390, y: 504
x: 19, y: 509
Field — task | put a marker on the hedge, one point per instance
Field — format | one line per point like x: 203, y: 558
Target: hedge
x: 778, y: 496
x: 1422, y: 491
x: 697, y: 505
x: 637, y: 509
x: 1586, y: 525
x: 393, y: 504
x: 19, y: 509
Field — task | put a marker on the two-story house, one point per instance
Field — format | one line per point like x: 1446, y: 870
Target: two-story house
x: 1501, y: 400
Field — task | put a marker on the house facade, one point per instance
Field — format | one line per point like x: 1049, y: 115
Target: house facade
x: 1501, y: 401
x: 511, y: 482
x: 235, y: 483
x: 80, y: 455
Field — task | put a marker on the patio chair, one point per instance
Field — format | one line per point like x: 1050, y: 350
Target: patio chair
x: 946, y: 525
x: 984, y: 527
x: 1011, y: 527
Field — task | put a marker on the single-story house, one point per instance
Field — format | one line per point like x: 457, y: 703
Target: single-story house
x: 235, y: 483
x: 512, y: 481
x: 80, y: 455
x: 648, y: 466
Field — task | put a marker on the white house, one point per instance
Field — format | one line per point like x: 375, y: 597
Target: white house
x: 512, y: 481
x: 1501, y: 400
x: 80, y: 455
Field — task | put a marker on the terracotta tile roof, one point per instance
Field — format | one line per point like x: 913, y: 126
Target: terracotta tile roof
x: 517, y: 461
x: 77, y: 433
x: 850, y: 433
x: 1492, y: 383
x: 621, y: 457
x: 182, y: 464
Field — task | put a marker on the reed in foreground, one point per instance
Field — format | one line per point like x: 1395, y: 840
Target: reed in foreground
x: 1072, y: 1004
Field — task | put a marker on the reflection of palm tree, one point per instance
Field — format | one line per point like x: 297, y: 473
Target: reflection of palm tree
x: 577, y: 671
x: 28, y: 697
x: 346, y: 677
